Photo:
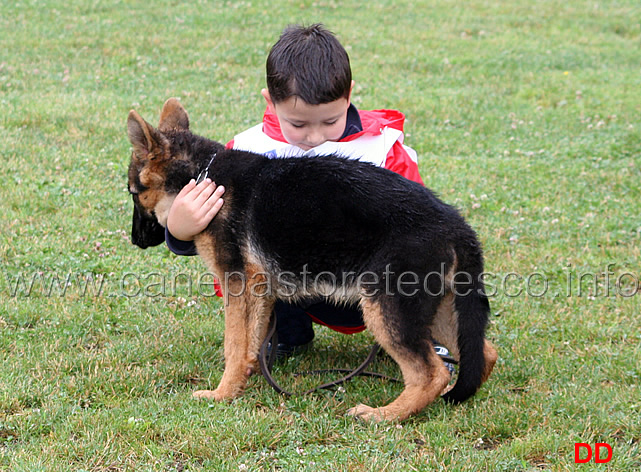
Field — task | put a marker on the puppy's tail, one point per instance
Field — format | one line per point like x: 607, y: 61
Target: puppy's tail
x: 472, y: 308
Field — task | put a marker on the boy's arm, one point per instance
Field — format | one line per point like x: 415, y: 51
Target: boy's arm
x: 179, y: 247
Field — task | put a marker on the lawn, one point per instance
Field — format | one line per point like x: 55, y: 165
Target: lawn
x: 525, y: 115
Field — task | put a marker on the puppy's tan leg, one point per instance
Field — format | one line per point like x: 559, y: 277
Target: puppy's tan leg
x: 260, y: 308
x: 247, y: 315
x: 235, y: 375
x: 445, y: 326
x: 445, y: 331
x: 491, y: 356
x: 424, y: 374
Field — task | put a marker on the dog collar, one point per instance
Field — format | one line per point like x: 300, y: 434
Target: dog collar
x: 205, y: 172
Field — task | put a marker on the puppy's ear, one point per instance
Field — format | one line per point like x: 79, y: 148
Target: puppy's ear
x: 148, y: 143
x: 173, y: 116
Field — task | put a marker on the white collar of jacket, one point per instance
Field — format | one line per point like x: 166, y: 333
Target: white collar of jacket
x: 371, y: 148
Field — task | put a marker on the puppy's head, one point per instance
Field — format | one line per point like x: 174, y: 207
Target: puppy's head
x: 152, y: 160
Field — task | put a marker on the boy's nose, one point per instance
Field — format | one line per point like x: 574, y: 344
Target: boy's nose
x: 315, y: 138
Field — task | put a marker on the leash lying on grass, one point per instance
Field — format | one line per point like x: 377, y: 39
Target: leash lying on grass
x: 266, y: 358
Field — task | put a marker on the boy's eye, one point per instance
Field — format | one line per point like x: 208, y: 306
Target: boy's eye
x: 330, y: 123
x: 297, y: 126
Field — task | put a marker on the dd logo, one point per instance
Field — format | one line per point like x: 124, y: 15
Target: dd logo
x: 597, y: 453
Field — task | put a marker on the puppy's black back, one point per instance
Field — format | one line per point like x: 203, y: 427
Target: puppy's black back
x: 364, y: 209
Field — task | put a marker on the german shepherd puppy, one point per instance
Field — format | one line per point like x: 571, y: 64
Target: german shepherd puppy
x: 328, y: 227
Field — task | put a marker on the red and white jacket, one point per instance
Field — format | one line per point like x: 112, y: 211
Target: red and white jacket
x: 378, y: 139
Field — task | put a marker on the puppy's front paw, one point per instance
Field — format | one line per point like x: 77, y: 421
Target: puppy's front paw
x: 367, y: 413
x: 215, y: 395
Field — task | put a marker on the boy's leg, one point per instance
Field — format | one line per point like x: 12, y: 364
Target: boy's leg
x: 294, y: 328
x: 349, y: 317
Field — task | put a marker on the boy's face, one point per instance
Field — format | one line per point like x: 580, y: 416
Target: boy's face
x: 307, y: 126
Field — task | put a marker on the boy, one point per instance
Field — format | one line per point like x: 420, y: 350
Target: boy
x: 309, y: 112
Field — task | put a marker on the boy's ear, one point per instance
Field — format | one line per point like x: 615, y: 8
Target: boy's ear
x: 173, y: 116
x: 268, y: 99
x: 147, y: 142
x: 351, y: 89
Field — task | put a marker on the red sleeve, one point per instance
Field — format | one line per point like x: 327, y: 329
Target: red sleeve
x: 399, y: 161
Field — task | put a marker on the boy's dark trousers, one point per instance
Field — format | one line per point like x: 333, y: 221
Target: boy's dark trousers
x: 294, y: 323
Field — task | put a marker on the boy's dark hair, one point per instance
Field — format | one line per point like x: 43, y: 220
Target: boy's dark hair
x: 309, y: 62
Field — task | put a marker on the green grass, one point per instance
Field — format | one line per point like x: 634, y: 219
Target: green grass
x: 526, y: 115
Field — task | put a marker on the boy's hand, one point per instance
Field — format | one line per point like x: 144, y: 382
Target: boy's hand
x: 193, y: 209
